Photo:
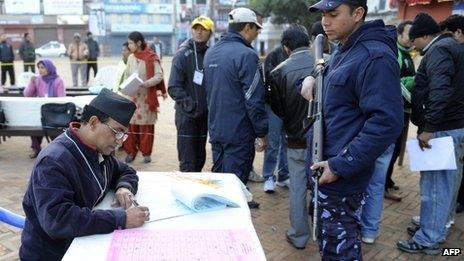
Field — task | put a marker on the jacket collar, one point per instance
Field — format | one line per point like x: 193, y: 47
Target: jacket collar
x: 89, y: 150
x: 234, y: 36
x: 299, y: 51
x: 434, y: 40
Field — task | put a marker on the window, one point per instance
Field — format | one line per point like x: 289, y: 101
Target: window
x: 382, y: 5
x: 168, y: 1
x: 165, y: 19
x: 135, y: 19
x: 201, y: 2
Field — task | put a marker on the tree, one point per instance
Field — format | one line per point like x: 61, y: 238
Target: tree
x: 287, y: 11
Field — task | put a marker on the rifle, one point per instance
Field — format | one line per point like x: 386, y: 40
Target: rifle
x: 315, y: 115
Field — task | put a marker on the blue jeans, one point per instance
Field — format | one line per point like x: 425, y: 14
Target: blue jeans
x: 276, y: 149
x: 372, y: 210
x: 437, y: 194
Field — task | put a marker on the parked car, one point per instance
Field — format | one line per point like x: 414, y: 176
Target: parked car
x: 51, y: 49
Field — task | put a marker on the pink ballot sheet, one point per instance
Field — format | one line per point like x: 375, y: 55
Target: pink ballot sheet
x: 142, y: 244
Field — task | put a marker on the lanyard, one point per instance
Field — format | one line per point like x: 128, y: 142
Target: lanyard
x: 102, y: 189
x: 196, y: 57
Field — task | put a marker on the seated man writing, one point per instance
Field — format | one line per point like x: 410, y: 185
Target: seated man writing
x: 73, y: 174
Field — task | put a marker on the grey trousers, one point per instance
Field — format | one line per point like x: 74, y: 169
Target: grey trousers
x: 299, y: 225
x: 75, y: 67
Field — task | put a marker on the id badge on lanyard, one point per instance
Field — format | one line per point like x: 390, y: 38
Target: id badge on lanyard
x: 198, y: 77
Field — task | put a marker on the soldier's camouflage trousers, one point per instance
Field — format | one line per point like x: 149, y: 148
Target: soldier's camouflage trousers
x: 340, y: 226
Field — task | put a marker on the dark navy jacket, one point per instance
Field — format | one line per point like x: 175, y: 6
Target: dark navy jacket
x: 61, y: 194
x: 235, y: 91
x: 362, y: 107
x: 190, y: 97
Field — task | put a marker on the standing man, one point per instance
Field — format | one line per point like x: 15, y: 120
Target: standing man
x: 363, y: 115
x: 454, y: 24
x: 73, y: 174
x: 275, y: 153
x: 235, y: 95
x: 187, y: 88
x: 6, y: 60
x: 407, y: 72
x: 292, y: 108
x: 78, y: 52
x: 438, y: 111
x: 27, y: 53
x: 157, y: 47
x: 94, y: 52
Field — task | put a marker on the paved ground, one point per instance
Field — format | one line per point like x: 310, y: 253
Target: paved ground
x: 271, y: 220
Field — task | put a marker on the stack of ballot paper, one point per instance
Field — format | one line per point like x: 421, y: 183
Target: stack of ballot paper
x: 131, y: 85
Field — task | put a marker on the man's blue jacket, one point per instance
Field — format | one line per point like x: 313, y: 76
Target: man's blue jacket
x: 235, y: 91
x: 362, y: 106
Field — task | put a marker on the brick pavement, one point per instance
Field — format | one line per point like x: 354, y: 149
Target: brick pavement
x: 271, y: 220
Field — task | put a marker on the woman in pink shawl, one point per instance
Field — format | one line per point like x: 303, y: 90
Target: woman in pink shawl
x: 47, y: 84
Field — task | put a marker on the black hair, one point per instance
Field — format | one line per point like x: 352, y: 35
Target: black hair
x: 353, y: 6
x: 89, y: 33
x: 90, y: 111
x: 317, y: 28
x: 25, y: 35
x: 402, y: 25
x: 137, y: 36
x: 294, y: 37
x: 238, y: 27
x: 453, y: 23
x: 126, y: 44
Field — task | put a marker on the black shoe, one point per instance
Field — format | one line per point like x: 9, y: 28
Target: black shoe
x: 460, y: 208
x: 253, y: 204
x: 412, y: 230
x: 411, y: 246
x: 291, y: 243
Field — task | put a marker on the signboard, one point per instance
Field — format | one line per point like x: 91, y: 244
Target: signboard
x: 125, y: 8
x: 163, y: 9
x: 97, y: 22
x: 143, y: 28
x: 63, y: 7
x: 22, y: 6
x: 458, y: 8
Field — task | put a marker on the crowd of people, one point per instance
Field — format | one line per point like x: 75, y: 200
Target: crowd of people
x: 371, y: 91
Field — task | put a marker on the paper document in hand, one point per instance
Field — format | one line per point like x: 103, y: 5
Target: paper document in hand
x: 440, y: 157
x: 131, y: 85
x: 201, y: 198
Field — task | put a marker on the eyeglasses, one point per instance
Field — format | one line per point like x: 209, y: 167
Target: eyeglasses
x: 118, y: 134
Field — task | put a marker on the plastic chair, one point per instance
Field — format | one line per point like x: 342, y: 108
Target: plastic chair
x: 104, y: 79
x: 11, y: 218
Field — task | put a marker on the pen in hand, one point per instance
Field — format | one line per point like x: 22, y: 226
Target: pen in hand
x: 134, y: 202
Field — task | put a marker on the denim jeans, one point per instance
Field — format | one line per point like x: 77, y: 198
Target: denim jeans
x: 437, y: 189
x: 276, y: 149
x: 372, y: 210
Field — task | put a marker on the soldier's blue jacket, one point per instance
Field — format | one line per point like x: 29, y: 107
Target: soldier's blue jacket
x: 62, y: 192
x: 235, y: 91
x: 362, y: 106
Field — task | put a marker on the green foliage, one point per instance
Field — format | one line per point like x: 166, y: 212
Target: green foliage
x: 287, y: 11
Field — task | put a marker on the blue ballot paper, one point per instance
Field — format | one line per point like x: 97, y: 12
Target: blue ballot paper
x: 201, y: 198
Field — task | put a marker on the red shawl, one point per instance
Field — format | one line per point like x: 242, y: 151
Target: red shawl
x: 149, y: 57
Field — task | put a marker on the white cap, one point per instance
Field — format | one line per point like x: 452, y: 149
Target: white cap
x: 243, y: 15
